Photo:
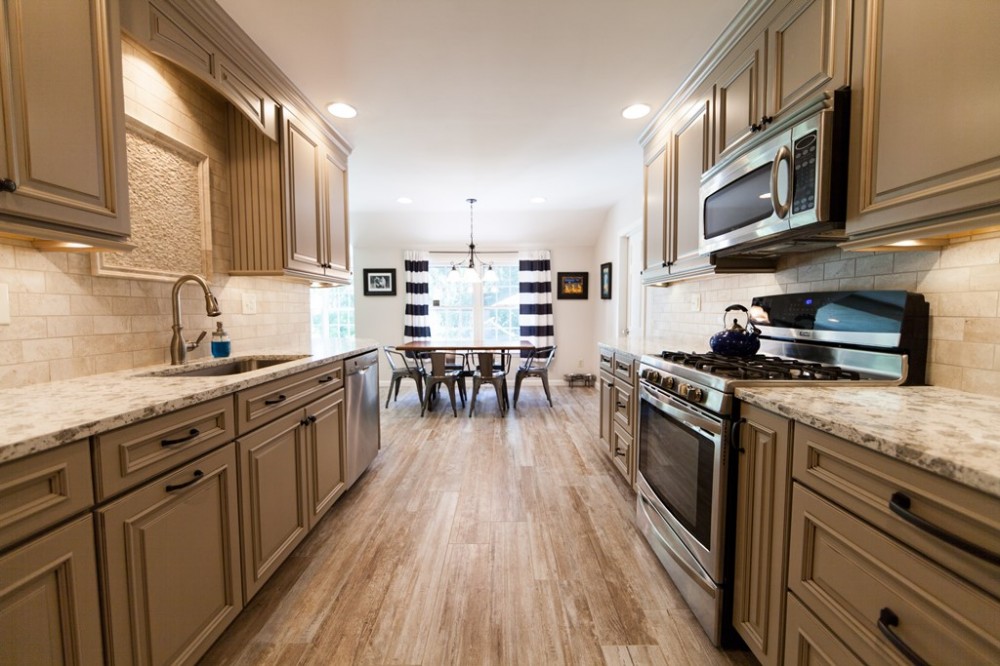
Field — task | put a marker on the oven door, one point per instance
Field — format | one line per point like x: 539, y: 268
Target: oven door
x: 682, y: 474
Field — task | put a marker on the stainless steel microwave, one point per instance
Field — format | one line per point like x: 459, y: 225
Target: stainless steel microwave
x: 788, y: 184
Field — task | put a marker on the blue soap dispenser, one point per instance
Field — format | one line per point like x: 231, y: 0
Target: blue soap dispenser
x: 220, y: 342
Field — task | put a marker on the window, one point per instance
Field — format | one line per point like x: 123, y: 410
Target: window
x: 485, y: 311
x: 332, y: 312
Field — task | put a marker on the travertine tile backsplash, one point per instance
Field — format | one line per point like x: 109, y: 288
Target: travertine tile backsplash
x: 961, y: 282
x: 66, y: 322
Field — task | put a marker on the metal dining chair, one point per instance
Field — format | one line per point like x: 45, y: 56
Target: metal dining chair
x: 439, y: 373
x: 403, y: 367
x: 536, y: 364
x: 491, y: 368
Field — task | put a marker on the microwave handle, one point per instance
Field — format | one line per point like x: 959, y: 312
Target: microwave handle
x: 781, y: 209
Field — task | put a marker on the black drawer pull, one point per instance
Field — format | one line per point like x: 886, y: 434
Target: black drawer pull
x: 180, y: 440
x: 622, y: 405
x: 177, y: 486
x: 734, y: 435
x: 899, y: 503
x: 281, y: 398
x: 886, y: 621
x: 324, y: 380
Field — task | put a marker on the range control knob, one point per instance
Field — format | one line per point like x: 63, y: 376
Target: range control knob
x: 667, y: 383
x: 694, y: 394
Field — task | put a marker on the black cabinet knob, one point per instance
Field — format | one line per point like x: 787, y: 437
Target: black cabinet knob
x: 7, y: 185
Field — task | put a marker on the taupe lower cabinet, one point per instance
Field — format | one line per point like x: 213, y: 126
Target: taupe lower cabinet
x: 170, y: 553
x: 829, y: 570
x: 619, y: 410
x: 763, y: 486
x: 62, y: 173
x: 49, y: 606
x: 292, y: 470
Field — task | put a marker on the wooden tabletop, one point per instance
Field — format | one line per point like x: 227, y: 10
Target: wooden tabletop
x: 465, y: 345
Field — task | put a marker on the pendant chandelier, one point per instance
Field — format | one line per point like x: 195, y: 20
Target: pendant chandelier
x: 465, y: 270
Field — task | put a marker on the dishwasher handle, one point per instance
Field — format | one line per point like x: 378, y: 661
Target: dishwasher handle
x: 358, y: 364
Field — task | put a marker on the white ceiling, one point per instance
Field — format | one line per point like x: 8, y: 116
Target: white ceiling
x: 500, y: 100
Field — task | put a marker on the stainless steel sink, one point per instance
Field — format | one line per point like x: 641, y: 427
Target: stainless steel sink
x: 235, y: 366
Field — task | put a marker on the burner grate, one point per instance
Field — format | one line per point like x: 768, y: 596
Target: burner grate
x: 760, y: 366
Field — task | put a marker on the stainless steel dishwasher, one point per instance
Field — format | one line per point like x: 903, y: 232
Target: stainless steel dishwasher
x: 363, y: 437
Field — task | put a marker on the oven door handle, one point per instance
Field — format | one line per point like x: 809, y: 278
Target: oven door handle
x: 686, y: 416
x: 678, y: 552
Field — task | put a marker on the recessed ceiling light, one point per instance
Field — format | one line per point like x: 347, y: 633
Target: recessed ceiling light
x: 342, y: 110
x: 404, y: 200
x: 635, y: 111
x: 537, y: 200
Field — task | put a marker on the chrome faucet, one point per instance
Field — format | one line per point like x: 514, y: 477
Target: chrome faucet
x: 178, y: 347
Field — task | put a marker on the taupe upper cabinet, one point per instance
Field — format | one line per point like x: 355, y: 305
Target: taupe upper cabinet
x: 654, y: 218
x: 289, y: 202
x: 63, y: 134
x: 925, y: 139
x: 798, y: 50
x: 165, y: 29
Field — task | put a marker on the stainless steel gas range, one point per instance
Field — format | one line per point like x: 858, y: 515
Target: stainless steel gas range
x: 689, y: 417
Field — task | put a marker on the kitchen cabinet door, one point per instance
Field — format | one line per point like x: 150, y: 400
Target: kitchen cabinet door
x: 63, y: 137
x: 171, y: 563
x: 808, y: 52
x: 335, y: 225
x: 739, y: 98
x: 303, y: 186
x: 273, y: 493
x: 654, y: 218
x: 326, y: 441
x: 607, y: 407
x: 925, y: 141
x: 690, y: 156
x: 764, y: 479
x: 49, y: 606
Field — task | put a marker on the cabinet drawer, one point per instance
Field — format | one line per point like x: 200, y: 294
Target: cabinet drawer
x: 607, y: 362
x: 624, y: 369
x: 809, y: 643
x: 38, y: 491
x: 865, y: 482
x: 261, y: 404
x: 852, y: 577
x: 621, y: 451
x: 623, y: 396
x: 126, y: 457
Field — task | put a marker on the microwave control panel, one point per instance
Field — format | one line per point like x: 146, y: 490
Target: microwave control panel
x: 804, y: 175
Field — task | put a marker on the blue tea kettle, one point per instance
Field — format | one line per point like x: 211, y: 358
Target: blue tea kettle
x: 736, y: 340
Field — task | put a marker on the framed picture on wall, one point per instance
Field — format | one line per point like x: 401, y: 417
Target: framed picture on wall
x: 380, y: 281
x: 606, y: 281
x: 571, y: 285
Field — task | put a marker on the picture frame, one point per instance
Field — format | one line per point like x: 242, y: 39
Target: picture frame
x: 380, y: 281
x: 572, y: 285
x: 606, y: 281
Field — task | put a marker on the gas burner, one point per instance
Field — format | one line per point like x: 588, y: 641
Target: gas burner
x: 759, y: 367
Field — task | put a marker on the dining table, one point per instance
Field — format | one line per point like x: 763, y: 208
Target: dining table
x: 466, y: 345
x: 458, y: 346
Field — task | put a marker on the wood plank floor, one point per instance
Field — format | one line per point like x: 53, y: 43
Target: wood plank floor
x: 477, y: 541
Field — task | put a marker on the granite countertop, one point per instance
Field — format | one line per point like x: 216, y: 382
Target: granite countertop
x: 43, y: 416
x: 951, y: 433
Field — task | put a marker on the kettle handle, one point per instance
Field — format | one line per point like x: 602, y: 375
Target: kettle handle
x: 735, y: 306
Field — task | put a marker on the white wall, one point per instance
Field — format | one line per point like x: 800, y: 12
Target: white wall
x: 623, y: 218
x: 381, y: 317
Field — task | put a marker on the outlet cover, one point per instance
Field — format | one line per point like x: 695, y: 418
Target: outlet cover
x: 249, y: 303
x: 695, y: 302
x: 4, y: 305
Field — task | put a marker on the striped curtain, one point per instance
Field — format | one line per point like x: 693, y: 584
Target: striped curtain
x: 416, y: 318
x: 535, y: 276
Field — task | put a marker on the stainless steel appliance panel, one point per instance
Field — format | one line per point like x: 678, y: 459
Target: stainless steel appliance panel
x: 363, y: 435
